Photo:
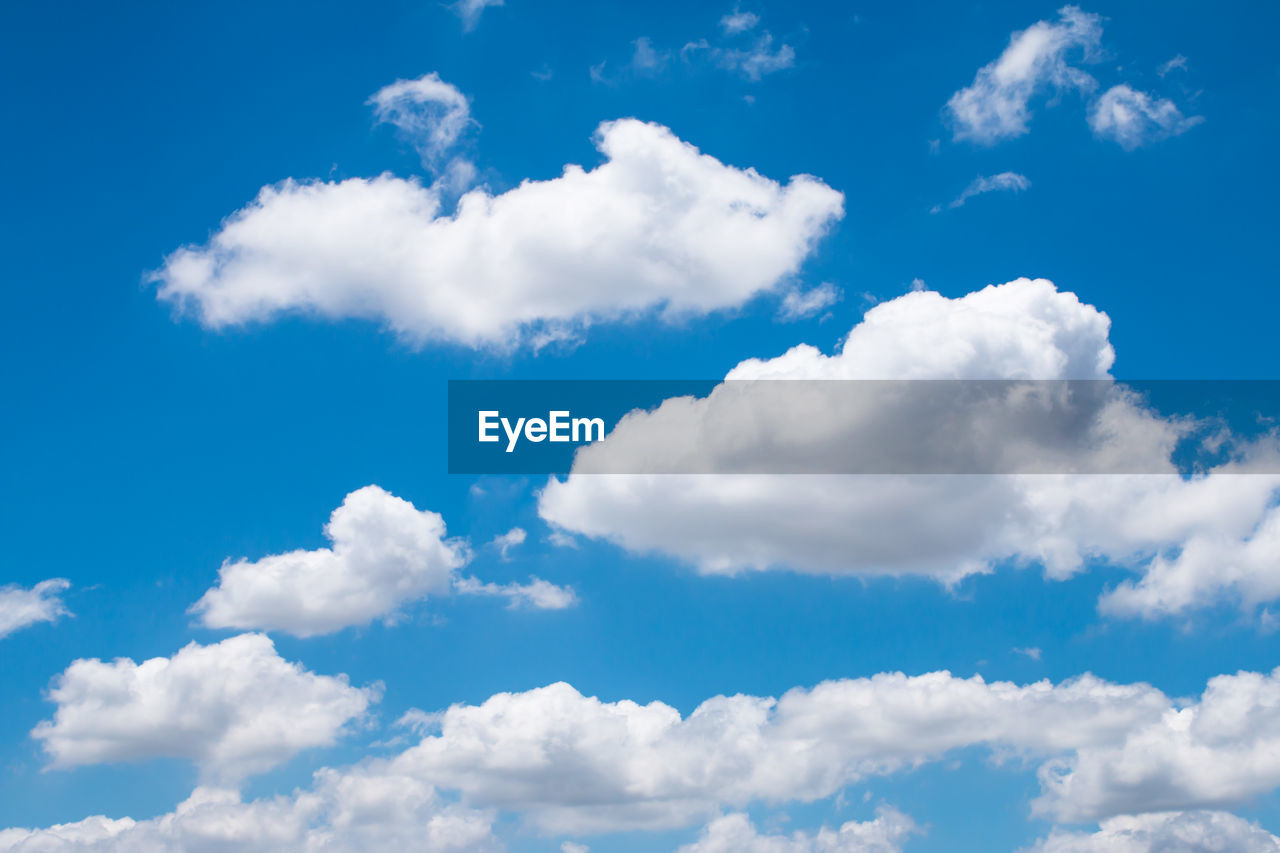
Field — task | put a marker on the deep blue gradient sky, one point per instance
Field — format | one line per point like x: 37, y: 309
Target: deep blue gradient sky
x: 141, y: 450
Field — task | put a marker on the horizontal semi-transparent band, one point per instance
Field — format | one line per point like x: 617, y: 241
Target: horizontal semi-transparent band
x: 860, y: 426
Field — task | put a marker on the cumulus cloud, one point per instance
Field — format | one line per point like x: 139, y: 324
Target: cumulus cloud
x: 1180, y: 832
x: 938, y: 525
x: 1133, y: 119
x: 471, y: 10
x: 734, y: 833
x: 505, y: 542
x: 21, y: 607
x: 658, y: 227
x: 386, y: 554
x: 573, y: 765
x: 433, y: 116
x: 352, y: 811
x: 1003, y: 182
x: 234, y: 708
x: 996, y: 105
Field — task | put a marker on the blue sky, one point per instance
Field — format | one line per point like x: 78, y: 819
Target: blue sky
x: 145, y: 444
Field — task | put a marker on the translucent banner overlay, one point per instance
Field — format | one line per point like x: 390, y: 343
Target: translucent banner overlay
x: 863, y: 426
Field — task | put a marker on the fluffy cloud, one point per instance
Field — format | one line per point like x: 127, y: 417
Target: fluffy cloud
x: 798, y: 304
x: 1215, y: 752
x: 735, y: 833
x: 386, y: 554
x: 20, y: 607
x: 658, y: 226
x: 996, y: 105
x: 1169, y: 832
x: 1175, y: 531
x: 1132, y: 118
x: 1003, y: 182
x: 234, y: 708
x: 572, y: 764
x: 576, y: 764
x: 345, y: 812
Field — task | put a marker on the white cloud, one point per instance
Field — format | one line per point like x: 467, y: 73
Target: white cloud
x: 432, y: 115
x: 353, y: 811
x: 234, y: 708
x: 734, y: 833
x: 1177, y: 62
x: 1032, y: 652
x: 505, y: 542
x: 1003, y: 182
x: 759, y: 59
x: 471, y: 10
x: 575, y: 764
x: 1211, y: 753
x: 20, y: 607
x: 537, y: 594
x: 798, y: 304
x: 1168, y: 832
x: 996, y: 105
x: 574, y: 847
x: 1195, y: 541
x: 738, y: 21
x: 645, y: 59
x: 1132, y: 118
x: 385, y: 554
x: 658, y: 227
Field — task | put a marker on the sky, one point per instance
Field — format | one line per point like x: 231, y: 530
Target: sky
x: 244, y: 605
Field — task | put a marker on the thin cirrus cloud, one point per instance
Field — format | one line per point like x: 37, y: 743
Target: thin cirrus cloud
x: 658, y: 229
x: 433, y: 116
x: 22, y: 607
x: 1147, y: 767
x: 1190, y: 543
x: 233, y: 708
x: 469, y: 11
x: 385, y: 555
x: 1044, y: 60
x: 1003, y: 182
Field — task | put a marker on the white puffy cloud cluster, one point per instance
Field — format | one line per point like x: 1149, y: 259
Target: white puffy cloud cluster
x: 386, y: 554
x: 734, y: 833
x: 1166, y: 832
x: 575, y: 765
x: 234, y: 708
x: 1038, y: 60
x: 658, y: 227
x: 1195, y: 541
x: 21, y: 607
x: 353, y: 811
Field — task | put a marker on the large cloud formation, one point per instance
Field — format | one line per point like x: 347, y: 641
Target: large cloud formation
x: 658, y: 226
x: 570, y: 764
x: 1194, y: 540
x: 386, y: 554
x: 234, y: 708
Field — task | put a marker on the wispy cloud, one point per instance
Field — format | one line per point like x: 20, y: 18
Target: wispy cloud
x: 471, y: 10
x: 1133, y: 119
x: 1003, y: 182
